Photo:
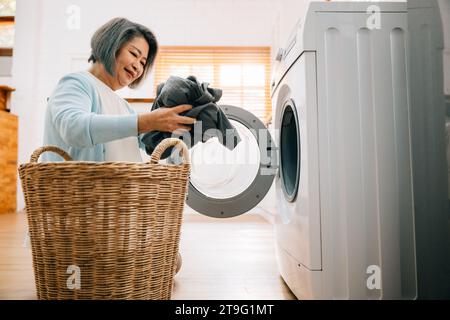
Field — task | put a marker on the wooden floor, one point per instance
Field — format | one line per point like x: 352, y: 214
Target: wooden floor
x: 222, y: 259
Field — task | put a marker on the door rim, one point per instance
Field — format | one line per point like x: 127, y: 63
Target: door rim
x: 251, y: 196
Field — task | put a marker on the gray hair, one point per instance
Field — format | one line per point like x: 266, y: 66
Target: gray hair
x: 112, y: 36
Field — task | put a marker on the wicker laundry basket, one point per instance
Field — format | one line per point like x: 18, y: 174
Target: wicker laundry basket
x: 106, y: 230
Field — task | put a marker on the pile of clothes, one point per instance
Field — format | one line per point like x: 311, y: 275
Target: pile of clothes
x: 211, y: 120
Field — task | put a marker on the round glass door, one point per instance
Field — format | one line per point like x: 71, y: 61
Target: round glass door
x: 220, y: 173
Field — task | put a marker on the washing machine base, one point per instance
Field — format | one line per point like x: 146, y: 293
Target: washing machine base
x: 303, y: 283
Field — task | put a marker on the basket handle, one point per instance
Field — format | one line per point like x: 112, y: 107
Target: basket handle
x: 37, y: 153
x: 167, y: 143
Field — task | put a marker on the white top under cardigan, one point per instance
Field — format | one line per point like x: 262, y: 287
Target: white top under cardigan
x: 126, y: 149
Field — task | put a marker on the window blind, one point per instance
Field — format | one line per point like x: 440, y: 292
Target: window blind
x: 241, y: 72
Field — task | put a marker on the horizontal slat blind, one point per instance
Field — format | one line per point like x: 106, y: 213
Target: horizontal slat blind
x: 241, y: 72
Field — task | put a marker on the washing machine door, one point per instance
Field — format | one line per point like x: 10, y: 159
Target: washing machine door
x: 290, y: 150
x: 226, y: 183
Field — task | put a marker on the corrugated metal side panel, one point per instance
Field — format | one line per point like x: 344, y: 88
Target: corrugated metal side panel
x: 365, y: 158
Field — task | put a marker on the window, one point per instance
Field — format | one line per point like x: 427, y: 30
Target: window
x: 241, y: 72
x: 7, y: 13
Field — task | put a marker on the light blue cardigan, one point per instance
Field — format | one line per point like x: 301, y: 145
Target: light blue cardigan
x: 73, y: 120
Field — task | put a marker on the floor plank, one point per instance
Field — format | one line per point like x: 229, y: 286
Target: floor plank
x: 222, y: 259
x: 16, y: 271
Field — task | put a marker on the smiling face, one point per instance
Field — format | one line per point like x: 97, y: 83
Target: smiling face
x: 130, y: 61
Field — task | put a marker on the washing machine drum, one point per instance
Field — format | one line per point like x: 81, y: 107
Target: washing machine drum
x: 226, y: 183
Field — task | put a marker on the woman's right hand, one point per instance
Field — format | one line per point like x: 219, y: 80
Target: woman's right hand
x: 165, y: 120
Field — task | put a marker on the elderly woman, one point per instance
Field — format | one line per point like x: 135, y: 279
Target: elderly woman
x: 85, y: 116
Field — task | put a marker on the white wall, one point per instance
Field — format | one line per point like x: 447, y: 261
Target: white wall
x: 46, y: 49
x: 7, y: 81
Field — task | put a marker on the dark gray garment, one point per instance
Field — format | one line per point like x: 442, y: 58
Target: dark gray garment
x: 211, y: 119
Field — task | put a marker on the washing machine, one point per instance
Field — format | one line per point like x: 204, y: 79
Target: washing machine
x: 340, y: 157
x: 345, y: 214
